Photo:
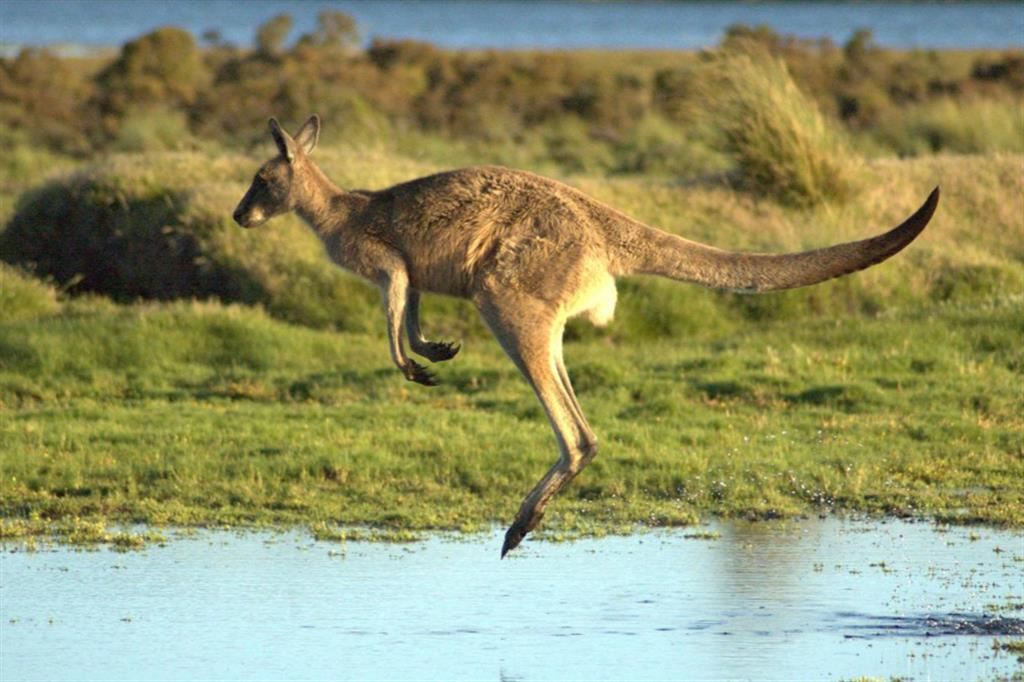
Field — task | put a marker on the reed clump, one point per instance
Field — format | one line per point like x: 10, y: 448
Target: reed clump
x: 782, y: 145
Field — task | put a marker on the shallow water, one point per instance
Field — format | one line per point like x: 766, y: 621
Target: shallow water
x: 802, y: 600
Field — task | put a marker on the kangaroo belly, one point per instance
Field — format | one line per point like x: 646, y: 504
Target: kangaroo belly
x: 595, y: 300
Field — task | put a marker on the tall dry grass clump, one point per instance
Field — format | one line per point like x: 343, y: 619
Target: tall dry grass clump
x: 782, y: 145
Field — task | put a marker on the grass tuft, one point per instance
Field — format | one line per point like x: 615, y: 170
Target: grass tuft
x: 23, y: 297
x: 782, y: 145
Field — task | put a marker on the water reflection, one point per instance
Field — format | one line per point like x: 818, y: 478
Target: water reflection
x: 818, y: 599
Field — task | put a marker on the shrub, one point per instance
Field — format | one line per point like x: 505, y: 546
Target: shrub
x: 569, y: 144
x: 159, y: 227
x: 41, y: 95
x: 334, y: 30
x: 78, y: 104
x: 654, y: 146
x: 161, y: 69
x: 271, y: 36
x: 781, y: 143
x: 1007, y: 69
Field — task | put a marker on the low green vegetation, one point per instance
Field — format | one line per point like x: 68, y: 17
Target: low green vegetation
x: 161, y: 366
x: 158, y: 227
x: 24, y: 297
x: 896, y: 391
x: 197, y: 414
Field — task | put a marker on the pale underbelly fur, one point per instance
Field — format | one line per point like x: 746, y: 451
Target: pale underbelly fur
x: 595, y: 301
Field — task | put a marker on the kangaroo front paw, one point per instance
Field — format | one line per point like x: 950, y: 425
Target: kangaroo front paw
x: 439, y: 351
x: 418, y: 373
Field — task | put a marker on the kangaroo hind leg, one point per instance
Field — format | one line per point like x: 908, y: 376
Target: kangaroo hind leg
x: 531, y: 334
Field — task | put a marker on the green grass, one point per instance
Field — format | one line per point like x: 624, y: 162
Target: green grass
x: 198, y: 414
x: 23, y: 296
x: 893, y: 391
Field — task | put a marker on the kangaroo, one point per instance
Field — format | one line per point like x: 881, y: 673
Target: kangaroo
x: 530, y: 253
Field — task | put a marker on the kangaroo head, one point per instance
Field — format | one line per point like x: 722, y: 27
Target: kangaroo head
x: 273, y: 189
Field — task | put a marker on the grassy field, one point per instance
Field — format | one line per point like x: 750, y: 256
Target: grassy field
x: 159, y: 365
x: 896, y: 391
x: 202, y: 414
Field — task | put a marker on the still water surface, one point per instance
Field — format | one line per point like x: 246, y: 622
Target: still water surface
x: 803, y: 600
x: 525, y: 23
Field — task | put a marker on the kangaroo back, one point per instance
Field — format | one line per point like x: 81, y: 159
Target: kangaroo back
x: 651, y: 251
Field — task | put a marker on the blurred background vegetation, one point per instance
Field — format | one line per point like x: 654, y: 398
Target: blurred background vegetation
x: 604, y: 111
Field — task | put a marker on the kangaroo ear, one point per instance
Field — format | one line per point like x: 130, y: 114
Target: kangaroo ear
x: 308, y: 134
x: 284, y: 141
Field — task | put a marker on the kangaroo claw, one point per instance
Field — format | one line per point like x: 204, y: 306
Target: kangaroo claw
x: 414, y: 371
x: 518, y: 530
x: 513, y: 536
x: 439, y: 351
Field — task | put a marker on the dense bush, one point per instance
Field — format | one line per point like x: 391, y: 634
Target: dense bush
x: 163, y: 69
x: 42, y: 95
x: 159, y: 227
x: 271, y: 36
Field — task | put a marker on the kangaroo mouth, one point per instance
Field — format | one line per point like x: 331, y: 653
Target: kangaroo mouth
x: 248, y: 220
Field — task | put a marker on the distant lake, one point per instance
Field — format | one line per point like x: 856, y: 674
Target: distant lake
x: 522, y: 23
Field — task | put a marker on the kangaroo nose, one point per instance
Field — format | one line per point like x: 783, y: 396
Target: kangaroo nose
x: 237, y: 215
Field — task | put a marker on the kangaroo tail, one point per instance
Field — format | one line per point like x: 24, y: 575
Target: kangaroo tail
x: 658, y: 253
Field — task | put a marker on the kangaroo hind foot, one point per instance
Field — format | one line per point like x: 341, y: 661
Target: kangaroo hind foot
x: 414, y: 371
x: 435, y: 351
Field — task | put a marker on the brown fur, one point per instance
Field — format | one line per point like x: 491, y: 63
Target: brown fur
x: 530, y: 252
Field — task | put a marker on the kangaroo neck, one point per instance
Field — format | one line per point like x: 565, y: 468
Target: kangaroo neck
x: 319, y: 202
